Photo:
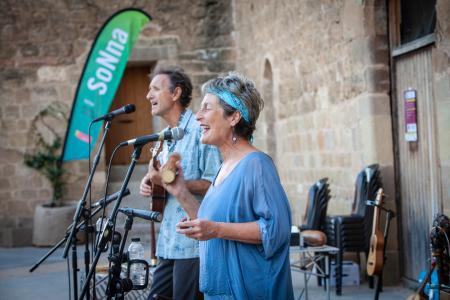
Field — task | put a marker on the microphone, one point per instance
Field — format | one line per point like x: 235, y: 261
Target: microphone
x: 127, y: 109
x: 175, y: 134
x: 143, y: 214
x: 110, y: 198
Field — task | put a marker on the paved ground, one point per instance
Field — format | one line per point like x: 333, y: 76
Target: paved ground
x: 50, y: 281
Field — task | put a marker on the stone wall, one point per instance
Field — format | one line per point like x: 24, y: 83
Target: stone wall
x: 330, y: 87
x: 44, y: 45
x: 326, y: 64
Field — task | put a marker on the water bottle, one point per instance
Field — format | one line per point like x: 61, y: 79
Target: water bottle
x: 99, y: 226
x: 137, y: 271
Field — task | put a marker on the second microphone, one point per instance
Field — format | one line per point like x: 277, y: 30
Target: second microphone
x: 175, y: 134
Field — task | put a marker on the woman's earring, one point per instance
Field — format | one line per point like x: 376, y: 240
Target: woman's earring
x: 234, y: 138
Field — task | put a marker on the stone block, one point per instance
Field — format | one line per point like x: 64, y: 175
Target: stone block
x: 373, y: 104
x: 11, y: 112
x: 44, y: 194
x: 377, y: 79
x: 50, y: 73
x: 199, y: 79
x: 376, y: 139
x: 6, y: 237
x: 4, y: 183
x: 443, y: 124
x: 7, y: 155
x: 7, y: 221
x: 352, y: 18
x: 5, y: 196
x: 18, y: 141
x: 8, y: 170
x: 29, y: 50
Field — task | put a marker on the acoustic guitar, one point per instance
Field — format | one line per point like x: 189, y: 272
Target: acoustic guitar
x: 159, y: 199
x: 375, y: 259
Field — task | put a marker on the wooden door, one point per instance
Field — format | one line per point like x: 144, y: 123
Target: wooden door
x: 417, y: 162
x: 132, y: 90
x: 418, y: 190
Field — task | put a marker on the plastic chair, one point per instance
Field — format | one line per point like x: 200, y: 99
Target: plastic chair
x: 351, y: 233
x: 316, y: 212
x: 316, y: 208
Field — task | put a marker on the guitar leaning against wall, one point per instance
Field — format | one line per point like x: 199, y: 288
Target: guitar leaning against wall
x: 375, y: 260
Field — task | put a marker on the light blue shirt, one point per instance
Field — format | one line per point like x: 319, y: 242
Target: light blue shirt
x: 252, y: 192
x: 198, y: 161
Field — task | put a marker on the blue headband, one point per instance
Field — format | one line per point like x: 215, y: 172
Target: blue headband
x: 233, y: 101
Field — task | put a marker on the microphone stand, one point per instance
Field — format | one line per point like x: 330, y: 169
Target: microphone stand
x: 389, y: 216
x: 108, y: 230
x: 72, y: 239
x: 101, y: 204
x: 117, y: 286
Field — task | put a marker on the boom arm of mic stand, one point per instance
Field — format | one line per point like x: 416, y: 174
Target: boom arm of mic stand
x: 82, y: 201
x: 107, y: 232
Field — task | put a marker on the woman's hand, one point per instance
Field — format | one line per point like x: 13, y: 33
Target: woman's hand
x: 199, y: 229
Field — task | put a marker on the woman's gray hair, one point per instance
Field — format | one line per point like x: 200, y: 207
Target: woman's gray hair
x: 244, y: 89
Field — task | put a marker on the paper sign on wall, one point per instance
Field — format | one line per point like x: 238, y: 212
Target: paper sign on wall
x: 410, y: 98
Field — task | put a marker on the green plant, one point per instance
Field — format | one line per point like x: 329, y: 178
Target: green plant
x: 47, y: 141
x: 47, y: 161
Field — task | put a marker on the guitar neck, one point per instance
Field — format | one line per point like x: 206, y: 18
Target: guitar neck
x: 376, y: 219
x: 376, y: 211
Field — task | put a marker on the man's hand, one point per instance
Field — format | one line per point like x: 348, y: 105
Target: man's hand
x: 153, y: 176
x: 145, y: 188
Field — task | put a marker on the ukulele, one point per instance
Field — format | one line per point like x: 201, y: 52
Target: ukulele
x: 375, y: 259
x: 159, y: 196
x: 158, y: 200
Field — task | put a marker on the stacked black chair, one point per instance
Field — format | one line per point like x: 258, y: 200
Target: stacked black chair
x: 351, y: 233
x: 316, y: 211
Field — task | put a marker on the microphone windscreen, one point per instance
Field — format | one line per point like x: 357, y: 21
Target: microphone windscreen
x: 177, y: 133
x: 129, y: 108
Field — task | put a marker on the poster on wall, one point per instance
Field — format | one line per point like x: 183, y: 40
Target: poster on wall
x: 410, y: 98
x: 100, y: 79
